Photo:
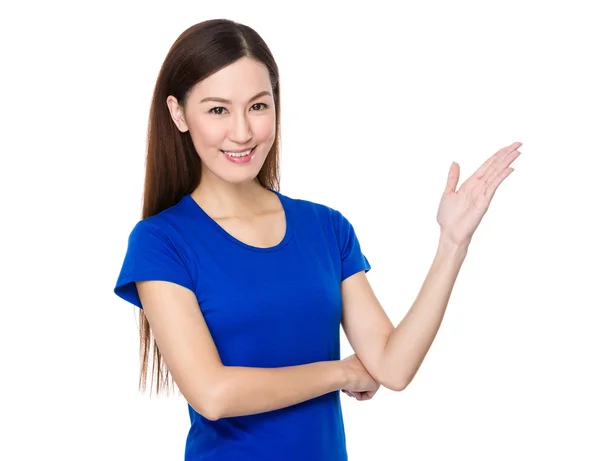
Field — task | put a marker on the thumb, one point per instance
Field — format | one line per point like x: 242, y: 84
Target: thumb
x: 453, y: 175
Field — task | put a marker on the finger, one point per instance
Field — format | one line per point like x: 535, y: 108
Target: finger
x: 501, y: 165
x: 499, y: 160
x: 453, y: 176
x: 495, y: 183
x: 483, y: 169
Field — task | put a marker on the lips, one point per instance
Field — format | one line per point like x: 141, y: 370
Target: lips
x: 240, y: 157
x: 239, y: 153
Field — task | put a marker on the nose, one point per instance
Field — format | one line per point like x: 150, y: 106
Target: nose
x: 240, y: 131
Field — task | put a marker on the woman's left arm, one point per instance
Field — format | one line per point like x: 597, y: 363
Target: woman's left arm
x: 393, y: 355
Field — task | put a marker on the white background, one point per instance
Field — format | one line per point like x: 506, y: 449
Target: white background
x: 378, y: 99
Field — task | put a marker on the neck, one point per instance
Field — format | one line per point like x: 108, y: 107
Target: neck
x: 225, y: 200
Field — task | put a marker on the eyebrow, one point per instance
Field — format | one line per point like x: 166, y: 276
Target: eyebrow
x: 227, y: 101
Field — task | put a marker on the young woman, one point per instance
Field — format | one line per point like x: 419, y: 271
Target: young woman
x: 242, y: 289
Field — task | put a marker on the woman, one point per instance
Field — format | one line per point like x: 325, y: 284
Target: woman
x: 243, y: 288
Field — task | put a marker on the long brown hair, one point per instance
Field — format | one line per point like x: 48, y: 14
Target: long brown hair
x: 172, y: 164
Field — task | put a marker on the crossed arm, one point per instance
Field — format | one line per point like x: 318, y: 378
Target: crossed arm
x: 391, y: 355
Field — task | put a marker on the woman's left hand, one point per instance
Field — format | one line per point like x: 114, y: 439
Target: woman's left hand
x: 460, y: 212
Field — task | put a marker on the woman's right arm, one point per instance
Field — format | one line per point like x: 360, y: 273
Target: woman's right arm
x: 217, y: 391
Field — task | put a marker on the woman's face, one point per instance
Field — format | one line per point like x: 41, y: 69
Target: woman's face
x: 231, y: 119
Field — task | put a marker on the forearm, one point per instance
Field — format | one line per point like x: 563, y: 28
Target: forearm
x: 246, y: 391
x: 408, y: 344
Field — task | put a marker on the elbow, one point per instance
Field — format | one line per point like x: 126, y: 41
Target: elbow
x: 214, y: 416
x: 396, y: 385
x: 208, y: 402
x: 212, y: 412
x: 396, y: 382
x: 208, y: 406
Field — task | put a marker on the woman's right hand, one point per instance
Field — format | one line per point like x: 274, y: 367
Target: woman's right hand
x: 359, y: 383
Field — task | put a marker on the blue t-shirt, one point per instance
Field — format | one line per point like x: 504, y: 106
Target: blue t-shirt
x: 265, y: 307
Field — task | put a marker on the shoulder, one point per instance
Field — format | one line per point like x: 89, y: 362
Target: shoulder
x: 314, y: 214
x: 329, y: 221
x: 147, y: 228
x: 163, y: 228
x: 156, y: 244
x: 308, y: 208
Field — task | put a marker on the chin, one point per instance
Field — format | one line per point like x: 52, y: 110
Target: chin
x: 236, y: 175
x: 239, y: 180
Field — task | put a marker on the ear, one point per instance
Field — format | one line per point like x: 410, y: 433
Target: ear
x: 177, y: 113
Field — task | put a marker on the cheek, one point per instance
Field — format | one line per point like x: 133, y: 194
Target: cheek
x: 263, y: 128
x: 208, y: 134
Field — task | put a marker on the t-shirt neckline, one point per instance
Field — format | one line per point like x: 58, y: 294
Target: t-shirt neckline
x: 283, y: 242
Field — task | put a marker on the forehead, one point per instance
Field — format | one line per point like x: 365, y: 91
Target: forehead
x: 245, y: 77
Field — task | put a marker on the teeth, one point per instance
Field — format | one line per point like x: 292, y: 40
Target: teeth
x: 238, y: 154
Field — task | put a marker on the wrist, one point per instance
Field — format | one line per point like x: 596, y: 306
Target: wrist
x: 449, y: 247
x: 449, y: 253
x: 342, y: 374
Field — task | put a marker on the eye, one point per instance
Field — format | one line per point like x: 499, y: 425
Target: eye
x: 259, y: 106
x: 217, y: 110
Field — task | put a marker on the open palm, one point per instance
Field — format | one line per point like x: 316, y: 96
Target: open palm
x: 460, y: 211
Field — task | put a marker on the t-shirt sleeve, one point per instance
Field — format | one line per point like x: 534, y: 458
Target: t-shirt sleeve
x: 150, y: 255
x: 353, y: 260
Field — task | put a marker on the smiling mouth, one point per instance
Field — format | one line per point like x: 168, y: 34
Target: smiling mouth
x: 239, y: 154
